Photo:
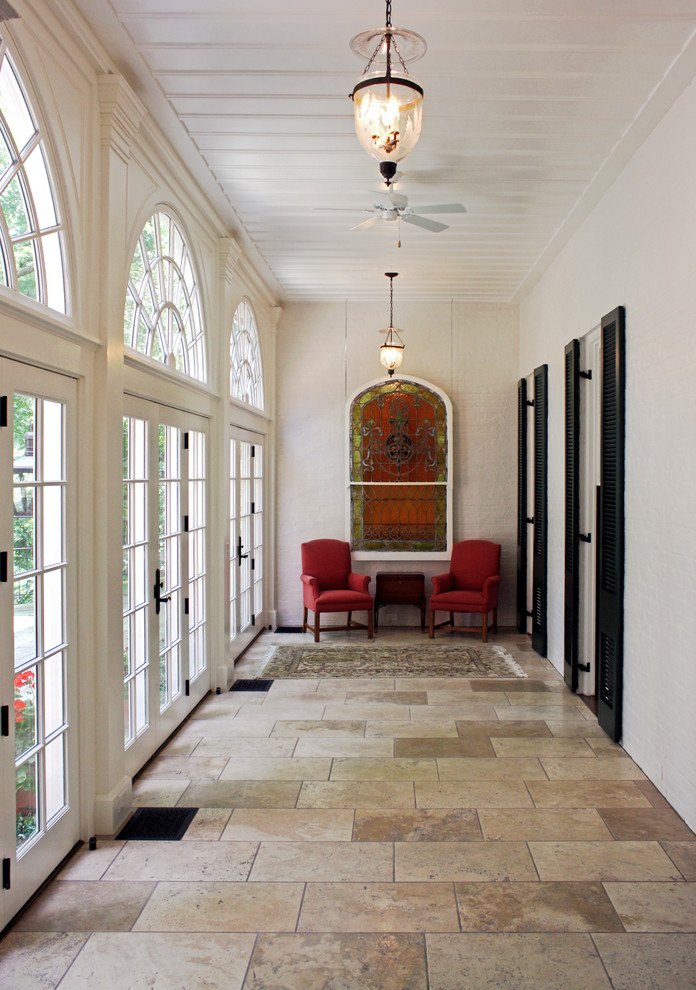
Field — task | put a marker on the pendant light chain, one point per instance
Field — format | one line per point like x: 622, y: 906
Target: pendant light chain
x: 388, y: 21
x: 391, y: 300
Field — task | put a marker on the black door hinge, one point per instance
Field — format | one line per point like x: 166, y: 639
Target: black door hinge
x: 530, y: 519
x: 3, y: 566
x: 187, y: 688
x: 585, y: 374
x: 530, y: 402
x: 186, y: 524
x: 530, y: 614
x: 585, y: 537
x: 5, y: 720
x: 253, y: 508
x: 186, y: 606
x: 253, y: 563
x: 584, y: 667
x: 6, y: 874
x: 3, y: 410
x: 253, y: 620
x: 186, y: 440
x: 253, y: 450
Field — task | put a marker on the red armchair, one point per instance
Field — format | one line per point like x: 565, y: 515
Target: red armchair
x: 470, y: 586
x: 329, y: 585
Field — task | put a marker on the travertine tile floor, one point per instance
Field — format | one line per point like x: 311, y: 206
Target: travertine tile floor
x: 391, y: 833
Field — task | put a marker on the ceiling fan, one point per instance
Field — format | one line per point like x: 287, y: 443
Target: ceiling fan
x: 391, y: 206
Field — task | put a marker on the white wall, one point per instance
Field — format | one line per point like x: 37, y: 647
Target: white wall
x: 328, y: 351
x: 638, y: 249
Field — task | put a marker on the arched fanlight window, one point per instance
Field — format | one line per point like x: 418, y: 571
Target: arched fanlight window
x: 246, y: 373
x: 32, y: 249
x: 162, y: 315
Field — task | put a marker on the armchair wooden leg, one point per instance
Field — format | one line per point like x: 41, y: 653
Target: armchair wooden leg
x: 370, y: 624
x: 350, y: 619
x: 304, y: 621
x: 485, y: 627
x: 432, y: 624
x: 316, y: 627
x: 495, y: 620
x: 451, y: 618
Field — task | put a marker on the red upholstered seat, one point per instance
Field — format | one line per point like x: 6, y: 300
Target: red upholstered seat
x: 329, y: 585
x: 470, y: 585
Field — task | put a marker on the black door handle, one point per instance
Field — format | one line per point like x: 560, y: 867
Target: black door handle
x: 159, y: 598
x: 240, y: 556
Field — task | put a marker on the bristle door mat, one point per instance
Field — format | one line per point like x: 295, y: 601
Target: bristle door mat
x: 251, y: 684
x: 158, y: 824
x: 289, y: 629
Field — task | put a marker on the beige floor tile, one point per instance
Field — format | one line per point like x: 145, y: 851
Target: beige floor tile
x: 199, y: 861
x: 284, y: 688
x: 86, y: 906
x: 338, y: 962
x: 656, y: 799
x: 392, y: 769
x: 383, y: 711
x: 461, y: 685
x: 582, y: 860
x: 241, y: 794
x: 574, y: 730
x: 91, y: 864
x: 546, y: 699
x: 324, y: 862
x: 446, y: 748
x: 510, y: 727
x: 514, y: 962
x: 450, y: 861
x: 277, y: 768
x: 601, y: 768
x: 222, y: 907
x: 466, y: 711
x: 473, y: 794
x: 336, y: 747
x: 559, y: 713
x: 356, y: 794
x: 181, y: 747
x: 523, y: 685
x: 154, y: 961
x: 149, y: 793
x: 185, y: 767
x: 646, y: 823
x: 230, y: 729
x: 655, y: 907
x: 282, y: 710
x: 379, y: 907
x: 480, y: 768
x: 38, y: 960
x: 603, y: 746
x: 242, y: 748
x: 290, y: 825
x: 419, y: 825
x: 683, y: 855
x: 649, y: 962
x: 438, y: 729
x: 536, y: 907
x: 587, y: 794
x: 403, y: 697
x: 303, y: 727
x: 542, y: 747
x: 340, y: 686
x: 540, y: 824
x: 208, y: 824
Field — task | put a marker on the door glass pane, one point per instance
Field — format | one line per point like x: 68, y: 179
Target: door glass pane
x: 52, y: 609
x: 24, y: 530
x: 26, y: 802
x: 52, y: 525
x: 52, y: 441
x: 234, y: 591
x: 54, y: 693
x: 55, y: 777
x: 136, y: 589
x: 197, y: 571
x: 170, y: 540
x: 25, y: 710
x: 257, y: 520
x: 24, y: 620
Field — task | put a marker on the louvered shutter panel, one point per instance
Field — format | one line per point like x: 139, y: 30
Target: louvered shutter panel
x: 572, y: 513
x: 539, y: 558
x: 522, y: 505
x: 610, y: 542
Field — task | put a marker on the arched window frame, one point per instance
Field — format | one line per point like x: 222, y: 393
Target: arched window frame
x: 412, y: 555
x: 162, y: 316
x: 33, y: 256
x: 246, y: 366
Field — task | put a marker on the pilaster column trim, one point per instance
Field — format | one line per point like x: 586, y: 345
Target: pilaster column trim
x: 120, y: 113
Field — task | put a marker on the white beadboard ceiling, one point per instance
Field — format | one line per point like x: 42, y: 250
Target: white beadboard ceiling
x: 531, y: 109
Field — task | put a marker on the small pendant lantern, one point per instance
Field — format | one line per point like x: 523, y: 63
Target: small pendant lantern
x: 392, y: 350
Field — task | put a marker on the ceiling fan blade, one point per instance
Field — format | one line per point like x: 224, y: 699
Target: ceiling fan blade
x: 389, y: 200
x: 339, y: 209
x: 441, y: 208
x: 366, y: 223
x: 433, y: 225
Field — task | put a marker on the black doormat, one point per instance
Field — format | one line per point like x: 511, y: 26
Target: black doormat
x: 289, y: 629
x: 251, y: 684
x: 158, y: 824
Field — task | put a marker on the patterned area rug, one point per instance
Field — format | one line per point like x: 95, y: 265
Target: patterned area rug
x: 482, y: 660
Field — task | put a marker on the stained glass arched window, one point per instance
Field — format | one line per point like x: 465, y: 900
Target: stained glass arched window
x: 32, y: 247
x: 246, y: 373
x: 398, y: 468
x: 162, y: 316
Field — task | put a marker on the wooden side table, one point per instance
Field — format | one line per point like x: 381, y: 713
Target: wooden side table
x: 406, y: 588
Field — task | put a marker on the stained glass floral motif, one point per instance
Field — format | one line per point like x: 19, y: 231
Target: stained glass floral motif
x: 246, y: 375
x: 162, y: 316
x: 32, y: 249
x: 398, y: 468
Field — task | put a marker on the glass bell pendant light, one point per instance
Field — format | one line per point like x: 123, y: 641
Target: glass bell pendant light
x: 392, y: 350
x: 388, y: 102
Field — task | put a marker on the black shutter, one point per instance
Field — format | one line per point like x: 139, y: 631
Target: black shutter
x: 522, y: 505
x: 539, y: 581
x: 610, y: 513
x: 572, y: 513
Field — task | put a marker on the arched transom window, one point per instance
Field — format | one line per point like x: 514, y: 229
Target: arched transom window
x: 162, y: 316
x: 246, y: 374
x: 398, y: 468
x: 32, y: 249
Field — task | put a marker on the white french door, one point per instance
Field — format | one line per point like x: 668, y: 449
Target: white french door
x: 590, y: 422
x: 39, y: 786
x: 165, y: 587
x: 246, y: 605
